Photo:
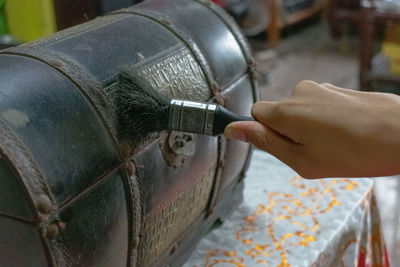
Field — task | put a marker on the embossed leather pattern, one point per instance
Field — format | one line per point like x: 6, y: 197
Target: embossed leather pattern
x: 164, y: 227
x: 82, y: 195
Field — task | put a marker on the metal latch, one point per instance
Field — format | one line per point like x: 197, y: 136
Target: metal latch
x: 177, y: 146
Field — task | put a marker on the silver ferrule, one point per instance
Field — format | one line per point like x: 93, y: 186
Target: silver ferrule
x: 192, y: 117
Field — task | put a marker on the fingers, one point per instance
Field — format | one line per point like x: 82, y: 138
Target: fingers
x: 305, y: 88
x: 343, y: 91
x: 264, y: 112
x: 333, y: 87
x: 265, y: 139
x: 272, y: 113
x: 281, y: 117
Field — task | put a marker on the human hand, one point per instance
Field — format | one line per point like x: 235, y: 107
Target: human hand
x: 326, y: 131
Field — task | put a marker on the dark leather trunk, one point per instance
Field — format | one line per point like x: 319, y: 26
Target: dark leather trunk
x: 73, y: 193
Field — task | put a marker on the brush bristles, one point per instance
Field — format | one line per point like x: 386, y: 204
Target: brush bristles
x: 141, y: 109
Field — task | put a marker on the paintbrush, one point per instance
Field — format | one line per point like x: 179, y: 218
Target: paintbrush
x: 142, y: 109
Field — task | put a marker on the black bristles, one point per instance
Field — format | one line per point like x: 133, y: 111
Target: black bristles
x: 141, y: 109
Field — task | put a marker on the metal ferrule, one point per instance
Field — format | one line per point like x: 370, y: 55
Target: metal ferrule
x: 192, y: 117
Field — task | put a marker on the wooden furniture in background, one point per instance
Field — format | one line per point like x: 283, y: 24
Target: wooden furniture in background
x: 342, y: 12
x: 70, y: 13
x: 373, y: 69
x: 74, y: 12
x: 280, y: 19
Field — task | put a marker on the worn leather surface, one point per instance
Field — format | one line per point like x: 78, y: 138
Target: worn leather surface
x: 13, y: 199
x: 173, y: 198
x: 20, y: 244
x: 235, y: 158
x: 96, y: 226
x: 54, y: 121
x: 89, y: 198
x: 219, y: 46
x: 94, y: 44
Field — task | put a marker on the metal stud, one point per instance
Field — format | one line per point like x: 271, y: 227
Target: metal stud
x: 52, y: 231
x: 125, y: 149
x: 130, y: 168
x: 56, y: 62
x: 43, y: 204
x: 166, y: 22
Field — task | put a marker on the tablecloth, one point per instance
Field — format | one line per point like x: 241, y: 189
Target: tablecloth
x: 285, y: 220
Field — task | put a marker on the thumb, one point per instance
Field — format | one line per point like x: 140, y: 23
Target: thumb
x: 263, y: 138
x: 247, y: 131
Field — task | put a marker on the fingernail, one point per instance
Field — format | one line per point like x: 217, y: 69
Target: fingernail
x: 235, y: 134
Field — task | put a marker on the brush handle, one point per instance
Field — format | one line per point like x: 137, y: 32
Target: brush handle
x: 222, y: 117
x: 200, y: 118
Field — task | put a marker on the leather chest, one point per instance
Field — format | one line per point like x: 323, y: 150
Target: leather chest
x: 73, y: 192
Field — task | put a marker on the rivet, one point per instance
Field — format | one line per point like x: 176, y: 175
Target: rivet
x: 125, y: 149
x: 254, y: 66
x: 52, y: 231
x: 220, y: 99
x: 43, y: 204
x: 130, y: 168
x: 215, y: 86
x: 166, y: 22
x: 55, y: 62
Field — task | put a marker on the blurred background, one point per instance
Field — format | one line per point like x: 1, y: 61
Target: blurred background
x: 350, y: 43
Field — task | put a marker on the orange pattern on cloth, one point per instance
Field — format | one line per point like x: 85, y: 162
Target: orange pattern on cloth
x: 288, y: 222
x: 283, y: 206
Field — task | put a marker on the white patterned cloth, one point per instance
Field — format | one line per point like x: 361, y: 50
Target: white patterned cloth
x: 285, y: 220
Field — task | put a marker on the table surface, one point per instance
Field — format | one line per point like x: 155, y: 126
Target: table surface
x: 285, y: 220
